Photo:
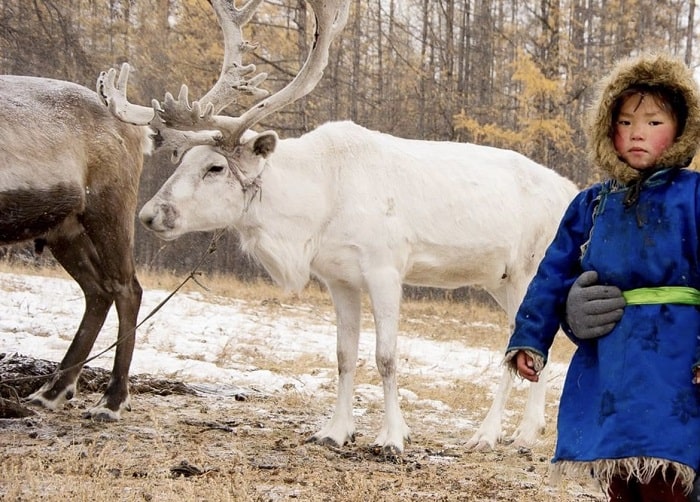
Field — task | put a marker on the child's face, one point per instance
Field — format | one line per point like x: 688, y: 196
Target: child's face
x: 643, y: 131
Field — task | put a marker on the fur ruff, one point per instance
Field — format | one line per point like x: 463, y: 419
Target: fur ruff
x: 641, y: 468
x: 650, y: 69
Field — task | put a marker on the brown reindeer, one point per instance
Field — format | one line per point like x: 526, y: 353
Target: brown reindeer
x: 69, y: 176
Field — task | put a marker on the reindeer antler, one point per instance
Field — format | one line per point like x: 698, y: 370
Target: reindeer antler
x: 174, y: 140
x: 114, y: 96
x: 232, y: 21
x: 331, y: 16
x: 198, y: 122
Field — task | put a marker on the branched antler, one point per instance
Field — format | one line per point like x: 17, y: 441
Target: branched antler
x: 233, y: 71
x: 174, y: 140
x: 183, y: 124
x: 331, y: 17
x: 114, y: 96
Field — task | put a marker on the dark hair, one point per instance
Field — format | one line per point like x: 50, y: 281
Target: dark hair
x: 670, y: 100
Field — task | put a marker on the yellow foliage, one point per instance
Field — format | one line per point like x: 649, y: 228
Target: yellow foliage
x: 535, y: 84
x: 537, y: 124
x: 555, y: 130
x: 488, y: 134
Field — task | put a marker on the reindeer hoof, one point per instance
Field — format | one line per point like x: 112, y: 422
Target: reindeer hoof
x: 390, y: 452
x: 328, y: 441
x: 37, y: 399
x: 101, y: 415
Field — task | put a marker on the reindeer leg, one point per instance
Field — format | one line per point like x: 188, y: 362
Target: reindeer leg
x: 385, y: 293
x: 533, y: 422
x: 111, y: 233
x: 490, y: 432
x: 532, y: 425
x: 77, y: 256
x: 103, y: 281
x: 341, y: 427
x: 116, y: 396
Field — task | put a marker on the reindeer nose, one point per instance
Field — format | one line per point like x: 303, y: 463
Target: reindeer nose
x: 147, y: 220
x: 158, y: 217
x: 148, y: 215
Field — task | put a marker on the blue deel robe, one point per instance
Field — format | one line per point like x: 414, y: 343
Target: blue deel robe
x: 629, y: 393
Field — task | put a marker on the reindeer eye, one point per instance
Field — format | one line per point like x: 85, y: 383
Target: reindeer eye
x: 214, y: 170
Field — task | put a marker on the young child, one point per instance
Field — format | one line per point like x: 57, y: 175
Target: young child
x: 629, y: 412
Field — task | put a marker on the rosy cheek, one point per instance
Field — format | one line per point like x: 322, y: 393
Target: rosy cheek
x: 662, y: 144
x: 618, y: 142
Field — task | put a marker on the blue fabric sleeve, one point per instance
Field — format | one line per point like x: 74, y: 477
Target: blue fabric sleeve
x: 543, y: 310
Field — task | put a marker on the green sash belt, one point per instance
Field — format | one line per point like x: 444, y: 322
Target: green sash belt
x: 663, y: 294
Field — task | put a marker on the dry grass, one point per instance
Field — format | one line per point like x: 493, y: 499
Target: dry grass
x: 255, y: 450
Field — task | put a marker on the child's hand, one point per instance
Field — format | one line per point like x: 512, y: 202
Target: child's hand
x: 696, y: 375
x: 526, y: 367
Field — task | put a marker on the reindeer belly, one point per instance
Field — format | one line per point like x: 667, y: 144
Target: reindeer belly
x: 29, y: 213
x: 454, y: 267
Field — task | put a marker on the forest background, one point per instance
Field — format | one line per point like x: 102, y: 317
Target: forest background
x: 507, y: 73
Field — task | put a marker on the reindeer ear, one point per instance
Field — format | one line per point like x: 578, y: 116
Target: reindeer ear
x: 265, y: 143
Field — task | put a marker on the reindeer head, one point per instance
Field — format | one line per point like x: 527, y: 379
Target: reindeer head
x: 218, y: 159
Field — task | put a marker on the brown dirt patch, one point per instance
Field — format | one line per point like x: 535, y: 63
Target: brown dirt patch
x: 214, y: 447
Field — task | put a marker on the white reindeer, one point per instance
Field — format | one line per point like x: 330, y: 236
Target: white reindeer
x: 69, y: 175
x: 362, y: 211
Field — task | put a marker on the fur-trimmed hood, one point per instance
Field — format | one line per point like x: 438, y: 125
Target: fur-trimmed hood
x: 649, y: 69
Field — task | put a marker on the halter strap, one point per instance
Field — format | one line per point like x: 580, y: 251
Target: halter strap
x: 249, y: 186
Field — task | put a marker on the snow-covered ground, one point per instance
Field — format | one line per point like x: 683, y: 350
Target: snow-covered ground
x: 198, y: 337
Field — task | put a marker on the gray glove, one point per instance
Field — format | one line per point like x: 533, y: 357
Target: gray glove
x: 592, y: 310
